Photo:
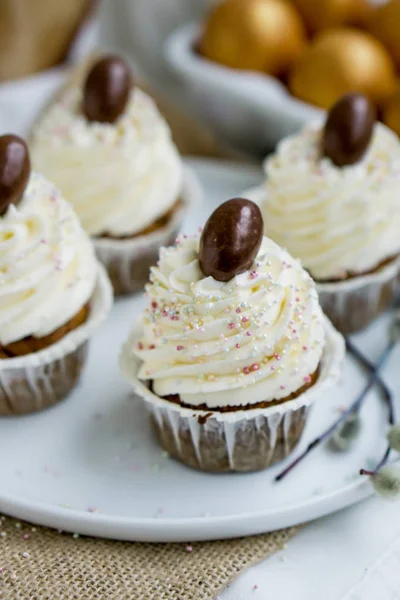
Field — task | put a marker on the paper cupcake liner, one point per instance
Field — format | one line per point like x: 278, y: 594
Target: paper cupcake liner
x: 36, y: 381
x: 246, y: 440
x: 128, y: 261
x: 354, y: 303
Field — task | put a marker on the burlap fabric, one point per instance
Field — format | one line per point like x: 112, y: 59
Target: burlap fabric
x: 41, y: 564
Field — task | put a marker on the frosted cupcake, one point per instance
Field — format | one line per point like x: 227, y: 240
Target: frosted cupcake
x: 110, y: 152
x: 53, y: 293
x: 332, y: 199
x: 233, y: 348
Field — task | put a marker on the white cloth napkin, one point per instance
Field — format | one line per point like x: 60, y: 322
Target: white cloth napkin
x: 381, y: 580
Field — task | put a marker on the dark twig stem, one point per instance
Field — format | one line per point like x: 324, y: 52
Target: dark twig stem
x: 387, y: 395
x: 371, y: 368
x: 379, y: 465
x: 354, y: 407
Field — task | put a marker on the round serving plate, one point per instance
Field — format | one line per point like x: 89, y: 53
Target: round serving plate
x: 92, y: 466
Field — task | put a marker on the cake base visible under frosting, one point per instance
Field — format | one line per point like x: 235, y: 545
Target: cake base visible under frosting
x: 353, y: 275
x: 158, y: 224
x: 34, y: 344
x: 264, y: 404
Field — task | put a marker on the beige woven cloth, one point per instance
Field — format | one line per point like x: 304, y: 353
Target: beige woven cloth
x: 42, y: 564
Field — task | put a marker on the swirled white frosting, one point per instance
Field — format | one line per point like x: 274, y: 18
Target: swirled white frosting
x: 334, y: 219
x: 120, y: 177
x: 257, y: 338
x: 47, y: 264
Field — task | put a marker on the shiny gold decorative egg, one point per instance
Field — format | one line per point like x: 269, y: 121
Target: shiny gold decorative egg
x: 391, y: 111
x: 259, y: 35
x: 385, y: 25
x: 322, y: 14
x: 339, y: 61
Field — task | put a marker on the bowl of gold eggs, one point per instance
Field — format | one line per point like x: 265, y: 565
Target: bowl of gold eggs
x: 257, y: 70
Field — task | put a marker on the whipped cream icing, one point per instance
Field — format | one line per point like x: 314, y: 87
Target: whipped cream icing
x: 256, y: 338
x: 47, y: 265
x: 120, y: 177
x: 334, y: 219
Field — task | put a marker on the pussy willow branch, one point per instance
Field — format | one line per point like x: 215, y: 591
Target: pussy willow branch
x: 371, y: 368
x: 387, y: 395
x: 354, y: 407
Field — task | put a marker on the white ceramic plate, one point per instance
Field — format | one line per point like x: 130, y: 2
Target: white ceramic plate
x: 92, y: 466
x: 250, y: 111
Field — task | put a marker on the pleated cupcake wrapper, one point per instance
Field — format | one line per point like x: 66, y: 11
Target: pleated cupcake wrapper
x: 128, y: 261
x: 354, y: 303
x: 37, y: 380
x: 243, y: 440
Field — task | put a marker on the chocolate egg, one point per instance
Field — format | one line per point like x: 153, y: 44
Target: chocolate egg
x: 340, y: 61
x: 15, y: 169
x: 323, y: 14
x: 385, y: 25
x: 391, y: 111
x: 231, y: 239
x: 348, y: 129
x: 257, y: 35
x: 106, y: 90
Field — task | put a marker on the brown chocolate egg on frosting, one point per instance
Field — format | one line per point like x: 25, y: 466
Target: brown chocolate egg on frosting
x: 348, y: 129
x: 340, y: 61
x: 106, y: 90
x: 15, y: 169
x: 231, y: 239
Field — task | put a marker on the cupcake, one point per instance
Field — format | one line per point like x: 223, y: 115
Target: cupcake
x: 233, y: 348
x: 332, y: 199
x: 108, y: 149
x: 53, y: 292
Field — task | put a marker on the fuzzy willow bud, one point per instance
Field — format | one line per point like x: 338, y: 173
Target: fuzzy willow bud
x: 394, y: 437
x: 387, y: 482
x: 347, y: 432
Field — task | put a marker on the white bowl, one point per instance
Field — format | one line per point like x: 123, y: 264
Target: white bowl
x: 247, y: 110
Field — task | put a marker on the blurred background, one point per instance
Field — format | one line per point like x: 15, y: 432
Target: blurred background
x: 237, y: 75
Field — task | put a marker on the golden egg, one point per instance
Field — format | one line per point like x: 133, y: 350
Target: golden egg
x: 339, y: 61
x: 385, y: 25
x: 322, y: 14
x: 391, y: 111
x: 259, y: 35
